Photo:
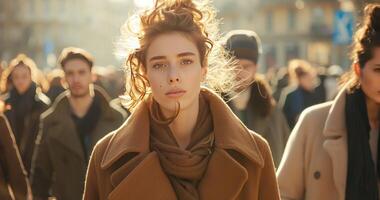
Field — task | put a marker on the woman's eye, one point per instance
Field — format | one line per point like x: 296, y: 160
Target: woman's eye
x: 158, y: 65
x: 377, y: 69
x: 186, y: 62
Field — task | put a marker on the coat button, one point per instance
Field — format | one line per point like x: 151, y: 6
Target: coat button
x: 317, y: 175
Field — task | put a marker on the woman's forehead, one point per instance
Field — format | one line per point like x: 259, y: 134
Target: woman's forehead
x: 171, y: 44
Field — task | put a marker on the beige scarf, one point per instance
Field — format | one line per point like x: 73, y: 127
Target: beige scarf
x: 184, y: 167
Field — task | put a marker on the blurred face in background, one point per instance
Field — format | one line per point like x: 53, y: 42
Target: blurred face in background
x: 21, y: 78
x: 370, y: 77
x: 78, y: 77
x: 246, y: 73
x: 307, y: 81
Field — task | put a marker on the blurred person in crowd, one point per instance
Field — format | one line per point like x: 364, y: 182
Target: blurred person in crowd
x: 334, y: 72
x: 101, y: 74
x: 56, y: 87
x: 23, y: 104
x: 110, y: 79
x: 301, y: 92
x: 181, y: 141
x: 320, y: 88
x: 282, y: 81
x: 69, y: 130
x: 14, y: 184
x: 253, y: 103
x: 333, y: 151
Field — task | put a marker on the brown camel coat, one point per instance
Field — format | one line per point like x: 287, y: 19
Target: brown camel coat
x: 241, y: 166
x: 14, y: 183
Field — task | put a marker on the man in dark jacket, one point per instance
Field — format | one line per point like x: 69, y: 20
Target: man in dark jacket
x: 69, y: 130
x: 24, y: 104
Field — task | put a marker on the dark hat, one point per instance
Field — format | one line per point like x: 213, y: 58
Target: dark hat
x: 243, y: 44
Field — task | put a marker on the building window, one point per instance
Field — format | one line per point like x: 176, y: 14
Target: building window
x: 291, y: 20
x: 318, y: 16
x: 270, y: 56
x: 63, y: 5
x: 47, y: 7
x: 32, y: 7
x: 291, y: 51
x: 269, y: 24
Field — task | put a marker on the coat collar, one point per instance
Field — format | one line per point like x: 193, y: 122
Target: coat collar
x: 60, y: 117
x: 229, y: 131
x: 335, y: 125
x: 224, y: 179
x: 62, y: 105
x: 336, y: 142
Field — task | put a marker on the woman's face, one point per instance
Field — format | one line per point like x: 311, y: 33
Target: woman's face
x: 21, y: 78
x: 174, y: 71
x: 370, y: 77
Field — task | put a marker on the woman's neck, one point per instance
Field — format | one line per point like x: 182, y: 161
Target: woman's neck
x: 184, y: 124
x: 373, y: 110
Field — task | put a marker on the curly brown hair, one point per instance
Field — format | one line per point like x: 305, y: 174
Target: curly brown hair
x: 366, y: 39
x: 194, y: 20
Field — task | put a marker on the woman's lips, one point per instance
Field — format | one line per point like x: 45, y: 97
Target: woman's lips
x: 175, y: 93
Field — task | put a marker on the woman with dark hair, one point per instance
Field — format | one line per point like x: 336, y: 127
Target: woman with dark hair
x: 24, y: 104
x: 333, y: 151
x: 14, y: 183
x: 181, y: 140
x: 261, y: 114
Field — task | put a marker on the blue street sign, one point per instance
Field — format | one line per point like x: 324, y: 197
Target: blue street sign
x: 343, y: 27
x: 48, y: 46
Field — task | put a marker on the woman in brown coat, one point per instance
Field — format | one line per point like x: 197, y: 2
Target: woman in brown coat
x: 181, y: 140
x: 333, y: 151
x: 14, y: 184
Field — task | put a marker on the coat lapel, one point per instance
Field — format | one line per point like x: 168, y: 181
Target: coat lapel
x: 135, y: 185
x: 336, y: 143
x: 66, y: 135
x: 229, y: 175
x: 63, y: 129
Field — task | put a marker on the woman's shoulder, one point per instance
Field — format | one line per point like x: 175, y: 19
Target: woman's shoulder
x: 316, y: 113
x: 261, y: 142
x: 101, y: 146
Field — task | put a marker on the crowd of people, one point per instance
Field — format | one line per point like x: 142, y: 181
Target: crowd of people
x: 196, y: 121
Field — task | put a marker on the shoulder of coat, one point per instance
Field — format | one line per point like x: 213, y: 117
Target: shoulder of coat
x: 260, y: 141
x: 50, y: 112
x: 317, y: 111
x: 41, y: 97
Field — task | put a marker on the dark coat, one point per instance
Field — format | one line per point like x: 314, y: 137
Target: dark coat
x: 295, y: 99
x: 26, y: 139
x: 12, y: 173
x: 59, y: 164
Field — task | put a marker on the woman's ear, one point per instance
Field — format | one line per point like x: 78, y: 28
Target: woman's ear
x: 357, y: 69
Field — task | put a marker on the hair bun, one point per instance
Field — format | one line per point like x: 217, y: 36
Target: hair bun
x: 372, y: 12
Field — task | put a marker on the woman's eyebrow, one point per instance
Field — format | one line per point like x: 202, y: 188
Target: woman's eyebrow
x: 186, y: 54
x: 156, y: 58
